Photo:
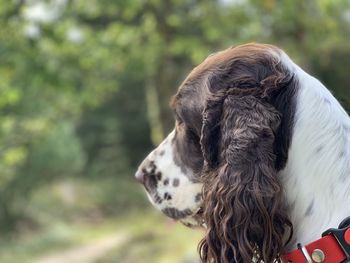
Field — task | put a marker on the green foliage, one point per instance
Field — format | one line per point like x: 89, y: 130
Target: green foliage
x: 84, y: 88
x: 56, y: 153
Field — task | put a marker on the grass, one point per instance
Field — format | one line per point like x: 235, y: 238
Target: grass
x: 150, y: 238
x: 81, y: 218
x: 153, y: 239
x: 57, y: 236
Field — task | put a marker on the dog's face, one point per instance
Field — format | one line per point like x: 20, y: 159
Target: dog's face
x: 172, y: 186
x: 172, y: 172
x: 218, y: 167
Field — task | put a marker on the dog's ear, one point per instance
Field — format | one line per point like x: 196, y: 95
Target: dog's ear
x: 244, y: 210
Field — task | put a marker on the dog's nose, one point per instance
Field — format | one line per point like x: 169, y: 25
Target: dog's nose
x: 140, y: 176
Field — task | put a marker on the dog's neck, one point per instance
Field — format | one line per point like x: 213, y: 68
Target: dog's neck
x: 316, y: 178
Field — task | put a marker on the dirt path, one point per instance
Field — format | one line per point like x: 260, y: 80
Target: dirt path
x: 83, y: 254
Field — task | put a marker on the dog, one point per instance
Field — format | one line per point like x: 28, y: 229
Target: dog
x: 259, y: 156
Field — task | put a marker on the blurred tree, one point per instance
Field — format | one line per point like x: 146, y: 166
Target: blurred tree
x: 84, y: 86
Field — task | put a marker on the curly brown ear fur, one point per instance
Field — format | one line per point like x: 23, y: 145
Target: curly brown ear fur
x: 244, y: 208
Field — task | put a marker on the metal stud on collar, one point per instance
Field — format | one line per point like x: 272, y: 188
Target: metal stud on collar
x: 318, y: 256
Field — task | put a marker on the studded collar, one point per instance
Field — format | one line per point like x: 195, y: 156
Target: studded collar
x: 333, y: 247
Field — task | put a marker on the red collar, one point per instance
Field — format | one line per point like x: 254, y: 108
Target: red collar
x: 333, y: 247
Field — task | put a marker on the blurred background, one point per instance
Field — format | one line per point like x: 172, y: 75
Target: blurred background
x: 84, y: 91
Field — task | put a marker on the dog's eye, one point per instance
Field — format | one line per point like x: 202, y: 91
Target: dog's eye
x: 178, y: 118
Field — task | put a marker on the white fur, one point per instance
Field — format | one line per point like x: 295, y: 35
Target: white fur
x: 317, y: 175
x: 184, y: 195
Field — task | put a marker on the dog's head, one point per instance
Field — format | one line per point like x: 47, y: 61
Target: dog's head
x: 218, y: 167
